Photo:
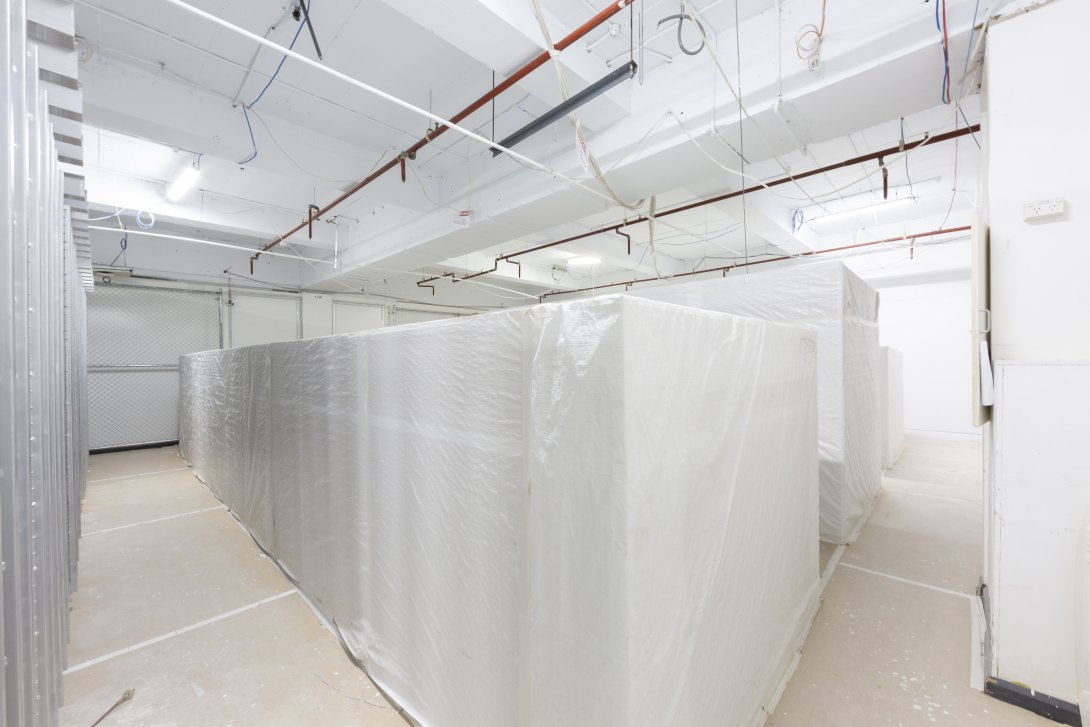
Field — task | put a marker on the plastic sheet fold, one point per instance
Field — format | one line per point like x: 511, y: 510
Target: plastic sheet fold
x: 599, y: 512
x: 892, y: 399
x: 843, y: 310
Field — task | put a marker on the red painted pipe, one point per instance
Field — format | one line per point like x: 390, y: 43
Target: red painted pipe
x: 719, y: 198
x: 538, y: 61
x: 727, y: 268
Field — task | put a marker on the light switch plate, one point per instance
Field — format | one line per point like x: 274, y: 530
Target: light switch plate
x: 1041, y: 210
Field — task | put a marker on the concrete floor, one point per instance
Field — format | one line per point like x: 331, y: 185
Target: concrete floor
x: 176, y: 602
x: 890, y: 643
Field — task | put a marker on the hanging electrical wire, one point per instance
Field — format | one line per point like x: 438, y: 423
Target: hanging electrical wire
x: 246, y: 107
x: 681, y: 18
x: 814, y: 199
x: 911, y: 192
x: 730, y: 87
x: 651, y: 237
x: 940, y: 25
x: 582, y: 146
x: 954, y: 190
x: 808, y: 40
x: 139, y: 217
x: 124, y: 245
x: 292, y: 159
x: 741, y: 127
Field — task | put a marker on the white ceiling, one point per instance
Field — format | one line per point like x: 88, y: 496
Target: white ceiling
x: 159, y: 85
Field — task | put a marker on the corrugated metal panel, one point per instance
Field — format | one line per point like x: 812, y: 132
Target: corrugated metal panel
x: 42, y: 392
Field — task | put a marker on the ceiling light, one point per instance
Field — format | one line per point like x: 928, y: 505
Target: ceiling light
x: 183, y: 183
x: 866, y: 209
x: 584, y: 261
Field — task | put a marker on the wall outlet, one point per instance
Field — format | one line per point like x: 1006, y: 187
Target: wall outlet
x: 1041, y: 210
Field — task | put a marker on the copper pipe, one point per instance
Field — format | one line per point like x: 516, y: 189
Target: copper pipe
x: 727, y: 268
x: 627, y: 237
x: 748, y: 190
x: 538, y: 61
x: 720, y: 198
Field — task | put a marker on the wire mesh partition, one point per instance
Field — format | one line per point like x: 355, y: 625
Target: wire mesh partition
x: 134, y: 338
x: 43, y: 421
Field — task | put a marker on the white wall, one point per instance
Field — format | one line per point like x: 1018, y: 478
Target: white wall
x: 930, y: 325
x: 1038, y: 486
x: 257, y: 315
x: 1041, y: 486
x: 317, y: 314
x: 1037, y: 107
x: 266, y: 318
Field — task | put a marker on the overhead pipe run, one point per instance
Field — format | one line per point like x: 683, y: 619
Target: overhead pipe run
x: 911, y: 239
x: 442, y: 124
x: 872, y: 156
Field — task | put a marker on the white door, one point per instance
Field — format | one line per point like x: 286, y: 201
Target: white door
x: 264, y: 319
x: 351, y: 317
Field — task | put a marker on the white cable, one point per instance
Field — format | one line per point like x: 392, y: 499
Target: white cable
x: 651, y: 238
x: 381, y: 94
x: 810, y: 51
x: 726, y: 79
x: 573, y: 116
x: 808, y: 197
x: 291, y: 159
x: 252, y: 250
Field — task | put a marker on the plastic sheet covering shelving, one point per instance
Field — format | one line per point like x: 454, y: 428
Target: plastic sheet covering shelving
x: 590, y: 513
x: 843, y: 310
x: 42, y: 392
x: 892, y: 398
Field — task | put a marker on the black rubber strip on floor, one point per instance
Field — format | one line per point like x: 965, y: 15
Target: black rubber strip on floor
x: 130, y: 447
x: 1051, y: 708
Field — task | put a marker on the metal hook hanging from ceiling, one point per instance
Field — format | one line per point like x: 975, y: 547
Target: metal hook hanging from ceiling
x: 681, y: 18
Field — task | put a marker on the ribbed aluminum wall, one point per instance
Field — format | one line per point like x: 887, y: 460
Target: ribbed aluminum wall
x: 43, y: 419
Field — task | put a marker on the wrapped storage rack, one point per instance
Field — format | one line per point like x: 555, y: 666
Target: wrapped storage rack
x: 599, y: 512
x: 891, y: 391
x: 843, y: 310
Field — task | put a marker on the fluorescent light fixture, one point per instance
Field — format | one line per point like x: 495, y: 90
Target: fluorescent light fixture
x: 584, y: 261
x: 594, y: 90
x: 183, y: 183
x: 855, y: 212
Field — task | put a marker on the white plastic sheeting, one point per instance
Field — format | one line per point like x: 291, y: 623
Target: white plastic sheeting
x: 843, y: 310
x: 1082, y: 625
x: 892, y: 399
x: 590, y: 513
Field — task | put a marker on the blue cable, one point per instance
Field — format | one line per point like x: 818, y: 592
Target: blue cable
x: 272, y: 78
x: 944, y: 96
x: 969, y: 50
x: 246, y: 115
x: 291, y: 46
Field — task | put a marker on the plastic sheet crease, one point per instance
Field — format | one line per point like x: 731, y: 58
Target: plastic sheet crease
x: 591, y: 513
x: 843, y: 310
x: 891, y: 390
